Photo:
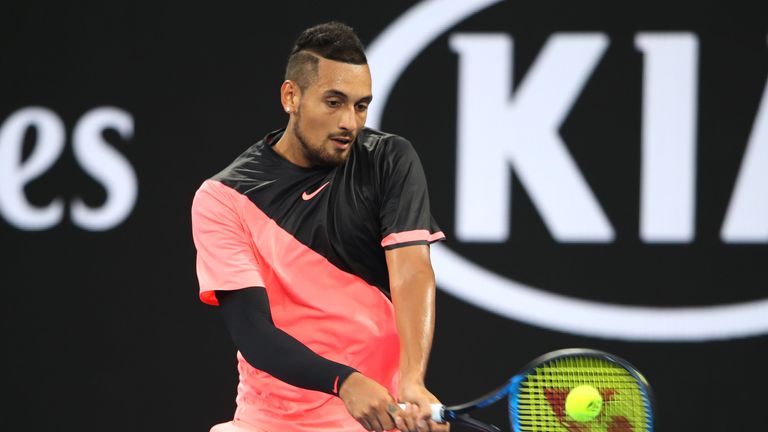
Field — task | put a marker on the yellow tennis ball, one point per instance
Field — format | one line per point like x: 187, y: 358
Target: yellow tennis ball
x: 583, y: 403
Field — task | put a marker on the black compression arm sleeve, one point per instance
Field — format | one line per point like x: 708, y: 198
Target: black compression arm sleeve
x: 267, y: 348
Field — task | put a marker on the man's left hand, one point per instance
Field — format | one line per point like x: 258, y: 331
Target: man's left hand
x: 418, y: 409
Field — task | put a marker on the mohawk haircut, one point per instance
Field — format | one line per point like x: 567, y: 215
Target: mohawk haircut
x: 333, y: 41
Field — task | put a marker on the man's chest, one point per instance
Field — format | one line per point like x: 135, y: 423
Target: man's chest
x: 336, y: 214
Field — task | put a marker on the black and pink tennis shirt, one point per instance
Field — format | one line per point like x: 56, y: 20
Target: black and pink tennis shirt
x: 315, y: 239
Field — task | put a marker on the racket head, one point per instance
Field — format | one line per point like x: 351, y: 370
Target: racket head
x: 537, y: 395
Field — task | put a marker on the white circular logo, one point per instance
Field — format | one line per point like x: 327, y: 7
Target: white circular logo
x: 389, y: 55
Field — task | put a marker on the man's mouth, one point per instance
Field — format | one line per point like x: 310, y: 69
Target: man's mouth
x: 342, y: 141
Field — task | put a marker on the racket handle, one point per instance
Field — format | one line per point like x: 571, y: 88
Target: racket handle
x: 437, y: 412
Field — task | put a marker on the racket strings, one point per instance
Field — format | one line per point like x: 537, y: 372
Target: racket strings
x: 540, y: 406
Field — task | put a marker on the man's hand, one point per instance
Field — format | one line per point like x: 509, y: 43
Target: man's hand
x: 418, y: 410
x: 370, y: 403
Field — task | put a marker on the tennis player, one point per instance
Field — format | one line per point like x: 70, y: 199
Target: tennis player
x: 315, y: 244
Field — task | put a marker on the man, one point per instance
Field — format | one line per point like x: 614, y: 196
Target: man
x: 302, y: 241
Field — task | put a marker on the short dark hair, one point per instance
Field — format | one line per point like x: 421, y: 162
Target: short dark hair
x: 333, y: 41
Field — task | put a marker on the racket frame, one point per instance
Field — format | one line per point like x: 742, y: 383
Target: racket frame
x: 458, y: 413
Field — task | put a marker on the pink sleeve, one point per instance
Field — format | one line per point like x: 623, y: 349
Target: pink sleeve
x: 226, y: 258
x: 406, y: 238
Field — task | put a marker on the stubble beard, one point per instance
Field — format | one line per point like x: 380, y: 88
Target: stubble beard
x: 317, y: 155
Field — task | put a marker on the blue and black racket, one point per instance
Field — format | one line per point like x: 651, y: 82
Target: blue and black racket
x: 570, y: 390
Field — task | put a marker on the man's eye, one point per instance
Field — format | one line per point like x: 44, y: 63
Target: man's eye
x: 333, y: 103
x: 362, y: 107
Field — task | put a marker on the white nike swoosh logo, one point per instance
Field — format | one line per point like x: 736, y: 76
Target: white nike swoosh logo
x: 306, y: 197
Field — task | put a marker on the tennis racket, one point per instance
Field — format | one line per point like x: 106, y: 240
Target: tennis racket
x: 537, y: 396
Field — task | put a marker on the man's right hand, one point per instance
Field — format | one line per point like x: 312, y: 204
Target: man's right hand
x: 371, y: 404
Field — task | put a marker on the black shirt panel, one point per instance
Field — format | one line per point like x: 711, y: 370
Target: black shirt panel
x: 380, y: 190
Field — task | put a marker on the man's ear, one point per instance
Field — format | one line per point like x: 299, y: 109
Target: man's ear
x: 290, y: 94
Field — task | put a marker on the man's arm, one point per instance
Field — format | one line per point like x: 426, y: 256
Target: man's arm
x: 412, y: 285
x: 265, y: 347
x: 248, y: 318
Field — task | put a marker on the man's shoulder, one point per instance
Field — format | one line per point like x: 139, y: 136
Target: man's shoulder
x: 253, y: 169
x: 237, y: 169
x: 377, y: 141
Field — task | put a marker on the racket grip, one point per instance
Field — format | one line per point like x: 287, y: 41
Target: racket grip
x: 437, y: 412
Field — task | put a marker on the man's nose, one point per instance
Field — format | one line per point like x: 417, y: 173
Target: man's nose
x: 348, y: 119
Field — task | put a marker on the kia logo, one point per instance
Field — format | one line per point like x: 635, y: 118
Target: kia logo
x: 534, y: 112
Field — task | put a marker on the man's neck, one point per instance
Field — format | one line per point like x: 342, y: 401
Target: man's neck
x: 289, y: 148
